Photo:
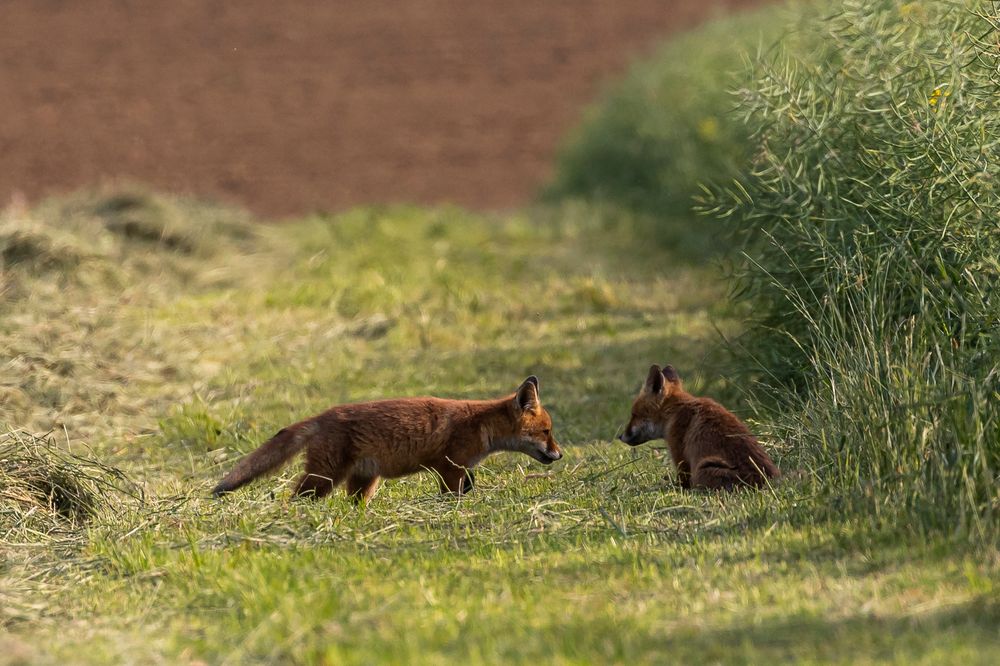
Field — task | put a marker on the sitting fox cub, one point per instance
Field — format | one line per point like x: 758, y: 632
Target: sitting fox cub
x: 361, y: 443
x: 710, y: 446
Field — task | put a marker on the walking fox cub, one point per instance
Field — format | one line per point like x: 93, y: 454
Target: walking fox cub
x: 361, y: 443
x: 710, y: 446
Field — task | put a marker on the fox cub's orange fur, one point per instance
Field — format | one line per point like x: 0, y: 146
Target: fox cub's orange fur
x: 710, y: 446
x: 361, y: 443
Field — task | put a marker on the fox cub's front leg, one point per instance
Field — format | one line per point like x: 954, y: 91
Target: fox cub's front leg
x: 683, y: 479
x: 455, y: 479
x: 361, y: 487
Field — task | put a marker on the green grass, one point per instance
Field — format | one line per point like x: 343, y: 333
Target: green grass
x: 168, y: 360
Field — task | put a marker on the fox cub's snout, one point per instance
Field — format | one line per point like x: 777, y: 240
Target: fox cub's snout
x: 646, y: 421
x: 534, y: 425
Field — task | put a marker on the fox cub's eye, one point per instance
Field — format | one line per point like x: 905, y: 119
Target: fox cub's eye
x: 546, y: 432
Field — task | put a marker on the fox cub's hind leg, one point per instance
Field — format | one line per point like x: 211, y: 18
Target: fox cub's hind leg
x: 314, y: 485
x: 715, y: 474
x: 322, y: 475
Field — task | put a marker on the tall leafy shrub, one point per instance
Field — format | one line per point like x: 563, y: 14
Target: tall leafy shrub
x: 670, y: 126
x: 871, y: 222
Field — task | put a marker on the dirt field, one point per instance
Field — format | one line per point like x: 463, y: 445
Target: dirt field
x: 311, y: 105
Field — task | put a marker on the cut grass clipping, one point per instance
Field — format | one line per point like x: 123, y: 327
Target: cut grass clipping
x: 47, y: 491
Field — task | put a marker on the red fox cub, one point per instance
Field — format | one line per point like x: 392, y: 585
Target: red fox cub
x: 361, y: 443
x: 710, y: 446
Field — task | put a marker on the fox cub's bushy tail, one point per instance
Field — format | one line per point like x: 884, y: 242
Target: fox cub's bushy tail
x: 271, y: 455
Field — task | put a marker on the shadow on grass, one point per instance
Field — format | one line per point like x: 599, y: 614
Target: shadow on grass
x: 944, y: 634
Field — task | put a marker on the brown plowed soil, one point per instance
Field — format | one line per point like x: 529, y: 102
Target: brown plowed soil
x: 311, y: 104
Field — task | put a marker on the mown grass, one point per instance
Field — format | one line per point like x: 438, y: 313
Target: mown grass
x: 169, y: 361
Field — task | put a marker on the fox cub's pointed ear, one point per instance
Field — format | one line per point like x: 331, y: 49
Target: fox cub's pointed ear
x: 654, y: 381
x: 670, y: 374
x: 527, y: 395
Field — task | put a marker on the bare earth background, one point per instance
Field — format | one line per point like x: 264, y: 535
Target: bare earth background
x: 291, y: 107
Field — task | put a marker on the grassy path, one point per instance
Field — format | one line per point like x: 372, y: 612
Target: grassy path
x: 198, y: 349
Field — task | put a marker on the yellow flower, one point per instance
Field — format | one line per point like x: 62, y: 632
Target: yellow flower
x: 708, y: 129
x: 938, y: 96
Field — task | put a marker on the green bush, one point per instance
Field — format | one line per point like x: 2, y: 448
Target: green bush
x: 670, y: 126
x: 871, y: 222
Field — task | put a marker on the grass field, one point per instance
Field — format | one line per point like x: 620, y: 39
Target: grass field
x: 166, y: 338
